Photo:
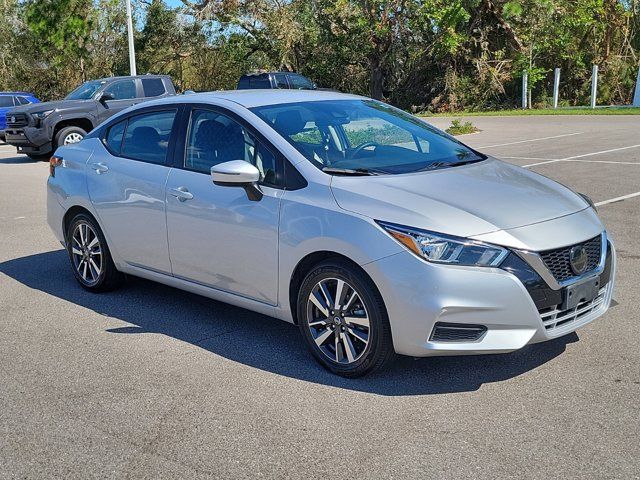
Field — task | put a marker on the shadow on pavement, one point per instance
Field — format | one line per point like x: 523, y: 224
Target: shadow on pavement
x: 261, y: 342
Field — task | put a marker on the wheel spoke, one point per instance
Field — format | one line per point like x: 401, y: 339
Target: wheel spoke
x: 93, y: 242
x: 348, y: 347
x: 336, y: 344
x: 82, y: 234
x: 326, y: 294
x: 324, y: 309
x: 318, y: 323
x: 363, y: 337
x: 76, y: 251
x: 320, y: 339
x: 353, y: 296
x: 95, y: 268
x: 362, y: 321
x: 339, y: 295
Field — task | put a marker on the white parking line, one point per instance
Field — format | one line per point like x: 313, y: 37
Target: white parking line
x: 526, y: 158
x: 530, y: 140
x: 607, y: 161
x: 574, y: 157
x: 617, y: 199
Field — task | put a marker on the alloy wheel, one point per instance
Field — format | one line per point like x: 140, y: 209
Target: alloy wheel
x: 86, y: 252
x: 338, y: 320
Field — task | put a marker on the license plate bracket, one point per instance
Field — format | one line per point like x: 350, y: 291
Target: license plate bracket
x: 580, y: 292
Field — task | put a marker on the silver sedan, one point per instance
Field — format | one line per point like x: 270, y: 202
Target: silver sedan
x: 374, y: 232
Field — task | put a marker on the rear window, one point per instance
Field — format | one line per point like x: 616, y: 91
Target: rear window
x: 147, y: 136
x: 6, y: 101
x: 22, y: 100
x: 260, y: 82
x: 153, y: 87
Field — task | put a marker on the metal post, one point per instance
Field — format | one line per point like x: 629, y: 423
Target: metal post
x: 594, y: 85
x: 132, y: 51
x: 556, y: 86
x: 525, y: 76
x: 636, y: 96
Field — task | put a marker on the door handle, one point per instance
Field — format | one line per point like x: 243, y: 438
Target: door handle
x: 181, y: 193
x: 100, y: 168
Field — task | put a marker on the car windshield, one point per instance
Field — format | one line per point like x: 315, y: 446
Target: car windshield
x: 85, y: 91
x: 361, y: 137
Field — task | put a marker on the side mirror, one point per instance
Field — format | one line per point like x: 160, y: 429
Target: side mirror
x: 105, y: 97
x: 238, y: 173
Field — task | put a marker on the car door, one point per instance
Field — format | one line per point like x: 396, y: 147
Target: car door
x: 124, y: 92
x: 126, y: 182
x: 217, y: 236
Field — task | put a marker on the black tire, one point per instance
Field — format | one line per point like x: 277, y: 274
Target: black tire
x: 378, y: 351
x: 66, y: 132
x: 108, y: 277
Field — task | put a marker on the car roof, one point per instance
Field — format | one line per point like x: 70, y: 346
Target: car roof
x: 17, y: 93
x: 257, y: 97
x: 107, y: 79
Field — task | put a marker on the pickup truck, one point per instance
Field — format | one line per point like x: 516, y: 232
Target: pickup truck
x: 38, y: 129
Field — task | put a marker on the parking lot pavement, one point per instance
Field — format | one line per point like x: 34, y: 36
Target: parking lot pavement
x: 149, y: 381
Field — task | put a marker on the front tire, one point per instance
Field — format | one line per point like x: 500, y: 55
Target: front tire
x: 69, y: 136
x: 89, y: 254
x: 343, y: 320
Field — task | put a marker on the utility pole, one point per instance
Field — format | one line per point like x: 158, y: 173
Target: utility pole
x: 556, y: 87
x: 594, y: 85
x: 525, y: 79
x: 132, y: 51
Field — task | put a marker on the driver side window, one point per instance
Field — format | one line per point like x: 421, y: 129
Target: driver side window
x: 122, y: 90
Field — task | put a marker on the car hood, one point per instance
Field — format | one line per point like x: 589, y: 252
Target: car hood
x: 468, y: 200
x: 56, y: 104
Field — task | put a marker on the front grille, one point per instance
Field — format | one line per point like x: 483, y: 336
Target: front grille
x: 553, y: 318
x: 557, y: 261
x: 16, y: 120
x: 453, y: 332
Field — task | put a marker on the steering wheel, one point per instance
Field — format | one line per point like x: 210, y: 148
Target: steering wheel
x: 361, y: 147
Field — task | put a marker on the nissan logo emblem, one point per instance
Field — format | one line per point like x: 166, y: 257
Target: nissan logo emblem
x: 578, y: 259
x: 12, y: 119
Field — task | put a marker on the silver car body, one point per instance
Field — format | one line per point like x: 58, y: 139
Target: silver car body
x: 223, y: 246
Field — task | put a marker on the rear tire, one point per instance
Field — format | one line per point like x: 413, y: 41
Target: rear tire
x: 350, y: 336
x: 69, y: 136
x: 89, y: 255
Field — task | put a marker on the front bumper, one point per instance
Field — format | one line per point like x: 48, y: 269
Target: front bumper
x: 418, y: 295
x: 29, y: 140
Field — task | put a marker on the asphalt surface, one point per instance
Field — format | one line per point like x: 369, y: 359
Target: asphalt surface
x: 152, y: 382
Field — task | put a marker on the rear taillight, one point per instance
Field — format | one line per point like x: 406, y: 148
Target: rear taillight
x: 54, y: 161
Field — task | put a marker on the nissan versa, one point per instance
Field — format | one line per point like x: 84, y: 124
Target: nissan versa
x: 374, y: 232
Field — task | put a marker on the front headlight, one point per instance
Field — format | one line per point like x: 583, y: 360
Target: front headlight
x: 439, y: 248
x: 41, y: 115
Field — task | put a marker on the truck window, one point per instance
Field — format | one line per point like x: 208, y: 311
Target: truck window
x: 122, y: 90
x: 153, y: 87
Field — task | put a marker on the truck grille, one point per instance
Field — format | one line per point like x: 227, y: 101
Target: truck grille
x: 17, y: 120
x: 557, y: 261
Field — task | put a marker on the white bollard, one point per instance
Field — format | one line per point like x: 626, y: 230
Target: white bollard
x: 556, y: 86
x: 594, y: 85
x: 636, y: 96
x: 525, y: 78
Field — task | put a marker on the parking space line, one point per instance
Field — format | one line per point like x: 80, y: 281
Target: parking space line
x: 574, y: 157
x: 605, y: 161
x: 528, y: 158
x: 617, y: 199
x: 531, y: 140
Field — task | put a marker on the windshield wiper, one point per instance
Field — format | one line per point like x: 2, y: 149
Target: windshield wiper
x: 435, y: 165
x: 351, y: 171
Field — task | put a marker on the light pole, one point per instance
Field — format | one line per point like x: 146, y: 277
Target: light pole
x: 132, y: 51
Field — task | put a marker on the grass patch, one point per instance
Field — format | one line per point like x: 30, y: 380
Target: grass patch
x: 542, y: 111
x: 459, y: 128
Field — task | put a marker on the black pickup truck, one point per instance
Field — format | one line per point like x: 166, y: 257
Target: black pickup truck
x: 38, y: 129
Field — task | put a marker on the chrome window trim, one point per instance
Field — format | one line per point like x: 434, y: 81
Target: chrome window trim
x: 535, y: 261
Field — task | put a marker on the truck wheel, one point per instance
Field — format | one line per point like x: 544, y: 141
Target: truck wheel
x: 69, y: 135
